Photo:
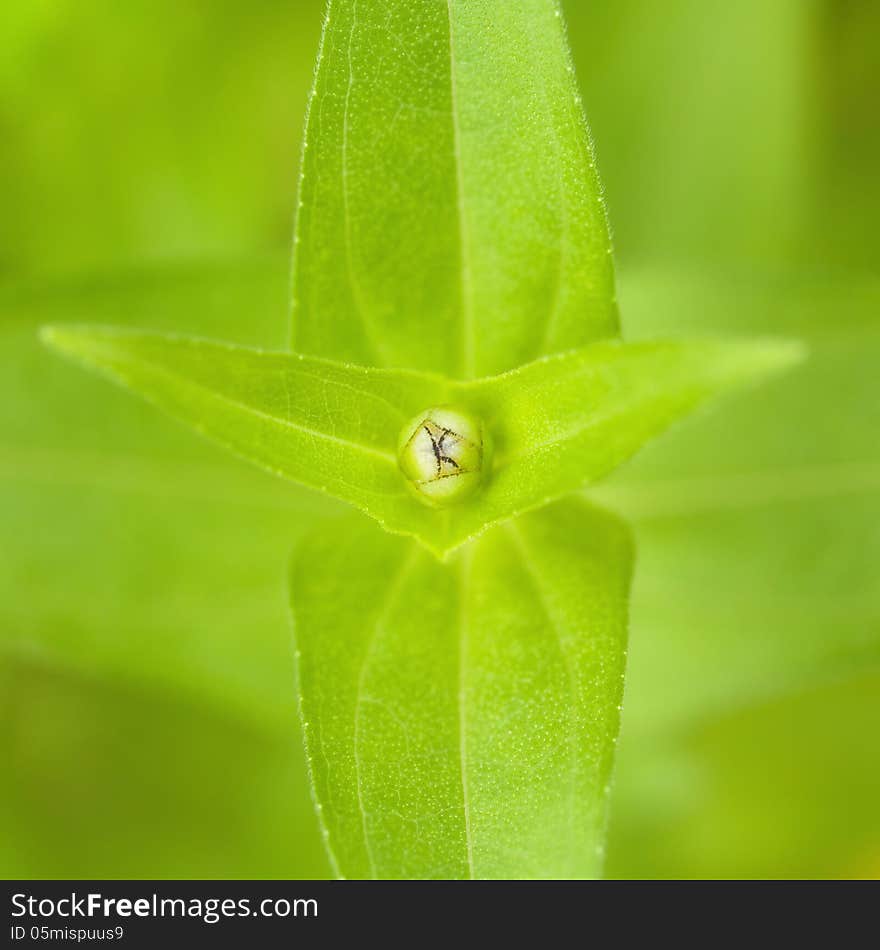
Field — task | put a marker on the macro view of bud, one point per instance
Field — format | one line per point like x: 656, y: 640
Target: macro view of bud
x: 439, y: 440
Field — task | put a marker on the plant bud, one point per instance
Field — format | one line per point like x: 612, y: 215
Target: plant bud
x: 443, y: 454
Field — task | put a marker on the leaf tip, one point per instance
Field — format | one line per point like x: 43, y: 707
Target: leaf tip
x: 64, y: 339
x: 92, y: 346
x: 51, y: 336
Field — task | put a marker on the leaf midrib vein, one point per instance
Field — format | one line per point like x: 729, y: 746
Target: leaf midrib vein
x: 393, y: 592
x: 467, y: 318
x: 261, y: 414
x: 464, y: 577
x: 356, y: 289
x: 574, y: 720
x: 569, y: 434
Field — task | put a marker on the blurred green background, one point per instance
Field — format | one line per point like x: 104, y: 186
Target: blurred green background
x: 148, y: 165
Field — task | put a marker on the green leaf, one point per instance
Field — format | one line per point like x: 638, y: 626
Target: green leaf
x: 451, y: 217
x: 460, y: 717
x: 134, y: 554
x: 569, y: 420
x: 329, y: 426
x: 557, y: 423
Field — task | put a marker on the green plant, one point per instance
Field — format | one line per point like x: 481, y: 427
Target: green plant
x: 461, y: 672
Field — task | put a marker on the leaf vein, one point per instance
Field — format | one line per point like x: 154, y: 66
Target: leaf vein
x: 466, y: 566
x: 574, y: 720
x: 467, y: 317
x: 354, y: 282
x: 394, y: 590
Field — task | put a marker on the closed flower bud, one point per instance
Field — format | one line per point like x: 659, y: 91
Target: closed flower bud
x: 443, y: 454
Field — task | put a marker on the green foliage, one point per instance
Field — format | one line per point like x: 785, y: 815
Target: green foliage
x: 460, y: 718
x: 143, y: 569
x: 504, y: 257
x: 146, y: 707
x: 450, y: 218
x: 555, y: 424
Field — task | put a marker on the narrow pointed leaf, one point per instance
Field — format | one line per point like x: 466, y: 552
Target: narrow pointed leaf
x: 450, y: 211
x: 460, y: 717
x: 566, y: 421
x: 557, y: 424
x: 328, y: 426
